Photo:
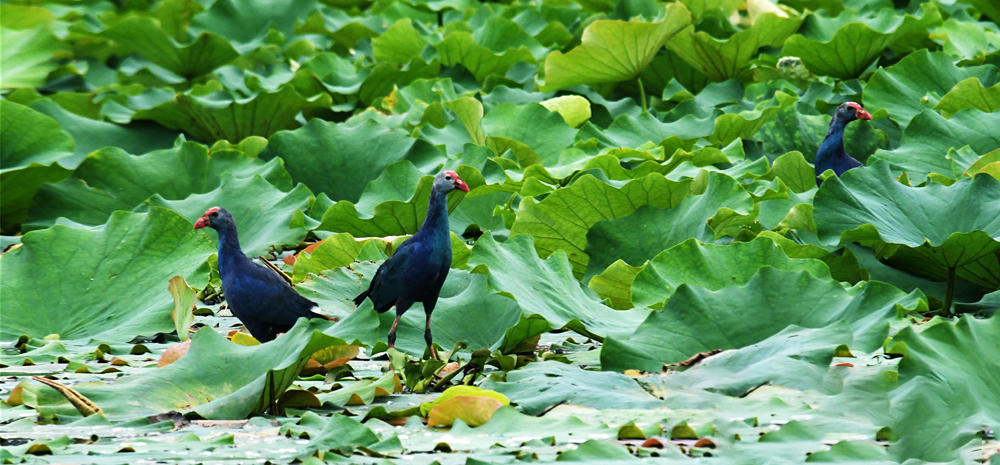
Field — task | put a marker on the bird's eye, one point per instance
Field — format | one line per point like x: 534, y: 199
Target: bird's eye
x: 214, y: 214
x: 448, y: 178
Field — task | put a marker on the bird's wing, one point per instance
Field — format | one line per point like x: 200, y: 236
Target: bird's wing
x: 275, y: 301
x: 388, y: 283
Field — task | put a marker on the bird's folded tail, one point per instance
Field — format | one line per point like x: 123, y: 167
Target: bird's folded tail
x: 361, y: 298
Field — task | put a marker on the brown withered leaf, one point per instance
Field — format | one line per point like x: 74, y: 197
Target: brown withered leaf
x: 173, y: 353
x: 695, y: 359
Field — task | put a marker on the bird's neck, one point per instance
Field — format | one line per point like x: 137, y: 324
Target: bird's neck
x: 833, y: 145
x: 229, y: 247
x: 437, y: 214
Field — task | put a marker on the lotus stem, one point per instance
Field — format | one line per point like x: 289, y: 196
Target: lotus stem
x: 642, y: 95
x: 949, y: 296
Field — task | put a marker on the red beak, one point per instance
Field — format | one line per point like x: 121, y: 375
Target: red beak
x: 458, y: 183
x: 201, y: 223
x: 862, y: 114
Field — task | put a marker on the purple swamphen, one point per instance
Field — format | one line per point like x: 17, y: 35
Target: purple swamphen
x: 265, y: 303
x: 418, y: 268
x: 831, y: 154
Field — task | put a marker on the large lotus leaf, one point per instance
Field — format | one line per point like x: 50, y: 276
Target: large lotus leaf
x: 467, y: 311
x: 224, y: 115
x: 613, y: 51
x: 91, y: 135
x: 28, y: 56
x: 216, y: 379
x: 929, y: 137
x: 646, y: 232
x: 713, y: 267
x: 399, y: 44
x: 533, y: 125
x: 918, y: 82
x: 543, y: 385
x: 951, y: 227
x: 243, y: 21
x: 340, y: 160
x: 266, y: 218
x: 588, y: 201
x: 145, y: 37
x: 345, y: 29
x: 797, y: 358
x: 495, y: 46
x: 546, y: 289
x: 696, y: 319
x: 728, y: 59
x: 971, y: 93
x: 829, y: 46
x: 108, y: 282
x: 947, y: 391
x: 31, y: 145
x: 110, y: 179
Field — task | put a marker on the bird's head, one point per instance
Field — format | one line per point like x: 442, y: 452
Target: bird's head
x: 851, y: 111
x: 447, y: 181
x: 214, y: 218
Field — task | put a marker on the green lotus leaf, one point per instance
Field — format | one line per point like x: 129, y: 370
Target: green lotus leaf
x: 145, y: 37
x: 648, y: 230
x: 337, y: 251
x: 346, y: 30
x: 216, y: 379
x: 696, y: 319
x: 491, y: 50
x: 966, y: 39
x: 399, y: 44
x: 984, y: 6
x: 515, y: 270
x: 110, y: 179
x: 542, y: 385
x: 918, y: 82
x: 387, y: 76
x: 340, y: 160
x: 116, y: 273
x: 828, y: 46
x: 614, y: 284
x: 91, y: 135
x: 728, y: 59
x: 224, y: 115
x: 331, y: 73
x: 544, y: 131
x: 266, y: 218
x: 32, y: 147
x: 713, y: 267
x: 937, y: 401
x: 591, y: 201
x: 28, y: 56
x: 970, y: 93
x: 929, y: 137
x: 364, y: 391
x: 613, y: 51
x: 242, y: 21
x: 964, y: 235
x: 794, y: 358
x: 343, y: 433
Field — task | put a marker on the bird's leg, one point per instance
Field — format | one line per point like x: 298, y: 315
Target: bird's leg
x: 427, y: 337
x: 392, y: 331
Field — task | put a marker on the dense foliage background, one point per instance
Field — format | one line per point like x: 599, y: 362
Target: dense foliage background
x: 642, y: 192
